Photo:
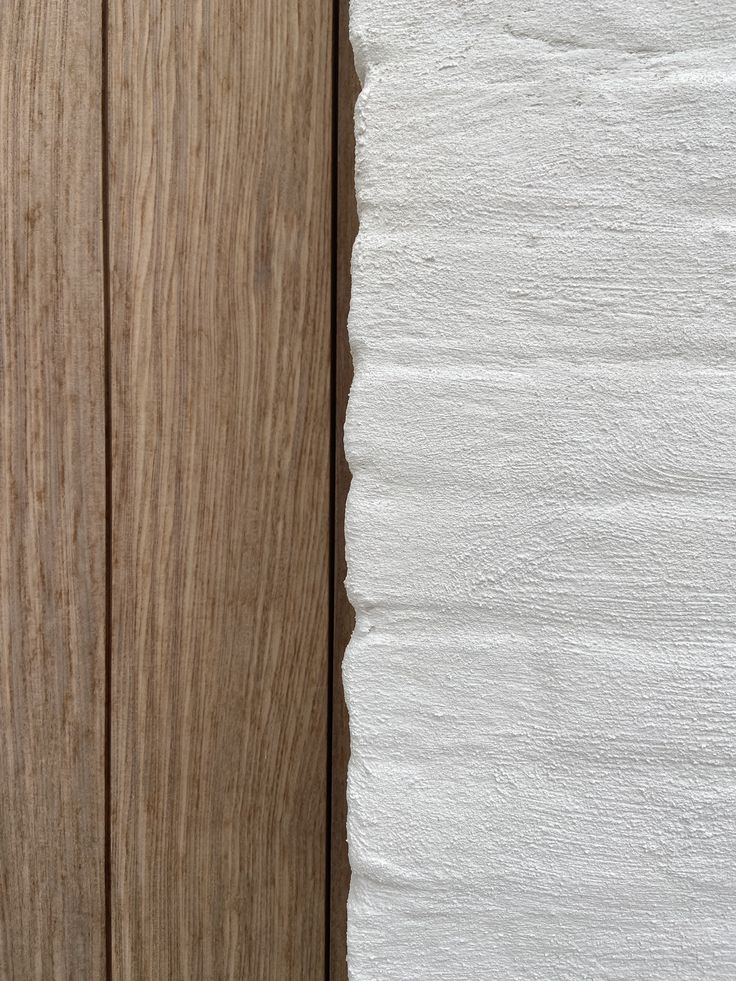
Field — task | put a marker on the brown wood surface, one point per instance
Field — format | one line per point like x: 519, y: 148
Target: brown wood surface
x: 346, y: 227
x: 220, y: 165
x: 52, y: 494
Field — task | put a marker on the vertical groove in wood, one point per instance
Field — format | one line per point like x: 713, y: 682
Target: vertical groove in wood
x: 220, y: 270
x: 105, y: 208
x: 52, y: 494
x: 346, y: 230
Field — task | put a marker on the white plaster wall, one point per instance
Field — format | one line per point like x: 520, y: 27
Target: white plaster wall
x: 542, y: 523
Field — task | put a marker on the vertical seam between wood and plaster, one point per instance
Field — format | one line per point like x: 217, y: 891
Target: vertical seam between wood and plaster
x: 334, y: 204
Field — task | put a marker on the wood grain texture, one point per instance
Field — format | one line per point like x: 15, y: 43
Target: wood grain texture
x: 220, y: 258
x: 346, y: 228
x: 52, y: 494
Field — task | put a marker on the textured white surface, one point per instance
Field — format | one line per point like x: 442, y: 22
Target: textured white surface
x: 542, y: 523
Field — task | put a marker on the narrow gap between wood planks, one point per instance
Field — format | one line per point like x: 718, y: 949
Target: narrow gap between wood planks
x: 105, y: 192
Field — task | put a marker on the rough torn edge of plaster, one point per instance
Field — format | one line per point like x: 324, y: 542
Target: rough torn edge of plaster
x: 363, y: 627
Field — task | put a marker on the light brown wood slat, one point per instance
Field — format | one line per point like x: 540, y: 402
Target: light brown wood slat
x: 52, y: 494
x: 220, y: 267
x: 348, y: 87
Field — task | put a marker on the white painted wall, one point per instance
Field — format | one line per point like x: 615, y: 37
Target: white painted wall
x: 542, y: 524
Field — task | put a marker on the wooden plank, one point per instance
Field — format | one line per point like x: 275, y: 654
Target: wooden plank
x: 52, y: 494
x: 348, y: 87
x: 220, y: 258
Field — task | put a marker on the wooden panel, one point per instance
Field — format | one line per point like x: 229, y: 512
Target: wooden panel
x: 348, y: 87
x: 220, y: 256
x: 52, y: 494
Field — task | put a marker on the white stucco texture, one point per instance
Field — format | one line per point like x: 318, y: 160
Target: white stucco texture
x: 541, y: 530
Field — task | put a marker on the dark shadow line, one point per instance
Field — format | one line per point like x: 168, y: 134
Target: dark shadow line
x: 105, y: 188
x: 334, y: 204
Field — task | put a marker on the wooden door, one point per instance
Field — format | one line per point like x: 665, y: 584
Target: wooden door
x: 174, y: 252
